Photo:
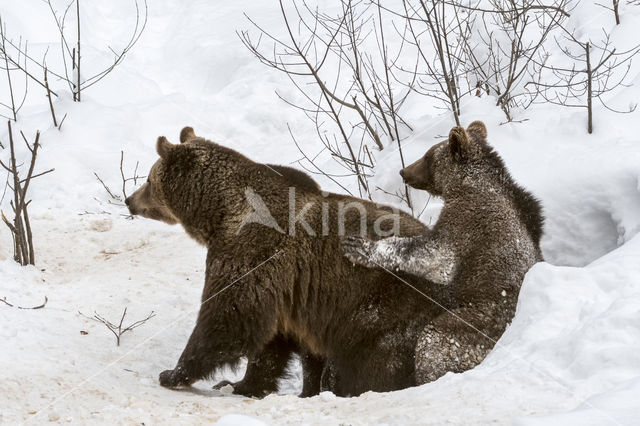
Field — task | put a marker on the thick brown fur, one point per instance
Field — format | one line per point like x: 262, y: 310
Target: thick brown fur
x: 262, y: 284
x: 485, y: 240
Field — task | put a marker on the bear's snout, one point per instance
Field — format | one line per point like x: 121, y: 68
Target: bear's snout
x: 130, y: 206
x: 408, y: 174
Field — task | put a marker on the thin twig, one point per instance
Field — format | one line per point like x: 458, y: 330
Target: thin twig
x: 111, y: 194
x: 6, y: 61
x: 62, y: 121
x: 4, y: 300
x: 53, y: 113
x: 118, y: 330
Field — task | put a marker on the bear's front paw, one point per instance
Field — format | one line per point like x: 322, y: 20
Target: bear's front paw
x: 222, y: 384
x: 173, y: 379
x: 252, y: 390
x: 358, y: 250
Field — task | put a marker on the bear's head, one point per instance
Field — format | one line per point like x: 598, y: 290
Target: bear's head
x: 150, y: 200
x: 464, y: 153
x: 198, y: 184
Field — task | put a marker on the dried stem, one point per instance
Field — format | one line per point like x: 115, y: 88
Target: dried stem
x: 20, y: 227
x: 78, y: 85
x: 53, y: 113
x: 358, y: 99
x: 596, y: 69
x: 42, y: 305
x: 124, y: 182
x: 118, y: 330
x: 6, y: 62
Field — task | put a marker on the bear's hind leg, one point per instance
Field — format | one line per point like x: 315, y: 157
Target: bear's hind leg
x: 264, y: 370
x: 312, y: 370
x: 383, y: 364
x: 459, y: 340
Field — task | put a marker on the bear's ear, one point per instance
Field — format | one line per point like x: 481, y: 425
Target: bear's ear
x: 187, y: 134
x: 477, y: 132
x: 459, y: 143
x: 163, y: 146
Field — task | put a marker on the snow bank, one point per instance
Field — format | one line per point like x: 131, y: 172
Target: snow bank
x: 571, y: 355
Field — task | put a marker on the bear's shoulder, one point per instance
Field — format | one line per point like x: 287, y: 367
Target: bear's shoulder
x: 294, y: 177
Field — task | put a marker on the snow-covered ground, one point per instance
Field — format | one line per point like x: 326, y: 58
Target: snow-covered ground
x: 571, y: 355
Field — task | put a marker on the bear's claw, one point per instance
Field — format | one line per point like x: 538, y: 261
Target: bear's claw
x: 171, y: 379
x: 357, y: 250
x: 244, y: 389
x: 222, y: 384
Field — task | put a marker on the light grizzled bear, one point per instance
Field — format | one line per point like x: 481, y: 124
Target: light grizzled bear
x: 485, y: 240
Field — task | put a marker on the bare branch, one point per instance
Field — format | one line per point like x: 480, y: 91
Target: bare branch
x: 42, y: 305
x: 20, y: 227
x: 104, y: 185
x: 118, y: 330
x: 588, y: 78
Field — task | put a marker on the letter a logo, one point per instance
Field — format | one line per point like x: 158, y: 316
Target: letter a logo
x: 259, y: 212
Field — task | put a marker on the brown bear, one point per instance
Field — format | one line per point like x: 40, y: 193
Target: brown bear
x: 276, y: 279
x: 486, y: 238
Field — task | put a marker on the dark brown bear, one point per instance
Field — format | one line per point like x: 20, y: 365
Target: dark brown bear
x: 485, y: 240
x: 275, y: 285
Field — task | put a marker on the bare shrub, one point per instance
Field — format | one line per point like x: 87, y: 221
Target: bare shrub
x: 118, y: 329
x: 593, y: 70
x: 505, y: 44
x: 20, y: 227
x: 352, y: 102
x: 17, y: 59
x: 436, y: 32
x: 71, y: 50
x: 115, y: 198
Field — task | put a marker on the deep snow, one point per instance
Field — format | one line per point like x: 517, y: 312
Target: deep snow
x: 571, y: 355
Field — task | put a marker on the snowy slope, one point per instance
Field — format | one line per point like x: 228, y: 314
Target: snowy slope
x: 571, y: 355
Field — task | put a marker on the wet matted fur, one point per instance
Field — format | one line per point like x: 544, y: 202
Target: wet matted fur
x: 262, y: 284
x: 486, y: 238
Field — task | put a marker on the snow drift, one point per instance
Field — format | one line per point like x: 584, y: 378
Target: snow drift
x: 571, y: 355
